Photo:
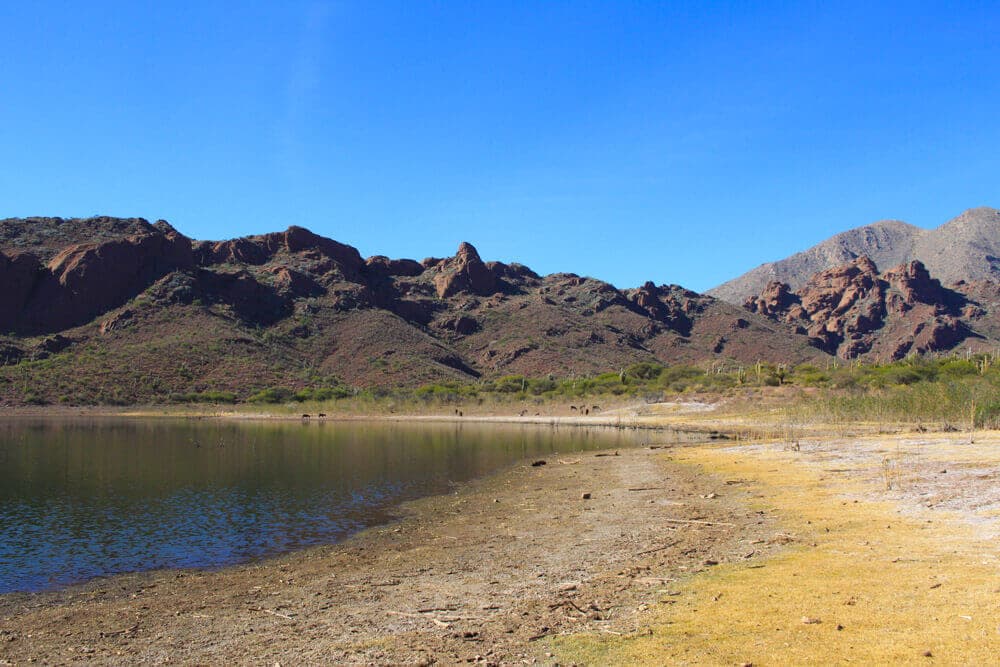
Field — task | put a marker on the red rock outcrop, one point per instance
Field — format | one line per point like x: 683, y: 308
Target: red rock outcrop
x: 465, y: 272
x: 394, y: 267
x: 86, y: 280
x: 853, y: 311
x: 664, y: 306
x: 324, y: 255
x: 295, y: 284
x: 776, y: 299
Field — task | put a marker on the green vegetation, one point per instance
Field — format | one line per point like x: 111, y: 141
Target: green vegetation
x: 204, y: 397
x: 284, y: 395
x: 949, y: 390
x: 945, y: 390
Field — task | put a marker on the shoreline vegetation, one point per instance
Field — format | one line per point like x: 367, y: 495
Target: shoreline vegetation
x: 944, y: 393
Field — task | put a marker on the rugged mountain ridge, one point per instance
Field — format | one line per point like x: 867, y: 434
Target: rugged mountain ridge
x: 854, y: 311
x: 965, y: 248
x: 115, y: 305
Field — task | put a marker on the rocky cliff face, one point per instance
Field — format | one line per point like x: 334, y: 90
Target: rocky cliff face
x: 86, y: 279
x: 855, y: 311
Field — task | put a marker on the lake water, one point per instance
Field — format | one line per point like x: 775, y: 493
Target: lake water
x: 87, y: 498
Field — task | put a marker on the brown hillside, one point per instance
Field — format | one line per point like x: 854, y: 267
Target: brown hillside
x: 134, y: 312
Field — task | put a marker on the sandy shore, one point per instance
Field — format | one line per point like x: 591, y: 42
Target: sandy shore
x: 488, y: 574
x: 765, y: 552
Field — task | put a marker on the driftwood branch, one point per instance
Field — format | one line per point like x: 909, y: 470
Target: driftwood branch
x: 702, y: 523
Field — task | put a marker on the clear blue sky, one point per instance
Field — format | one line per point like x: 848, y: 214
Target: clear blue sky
x: 674, y: 142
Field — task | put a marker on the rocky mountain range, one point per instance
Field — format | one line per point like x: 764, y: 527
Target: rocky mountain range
x: 112, y: 310
x: 965, y: 248
x: 116, y: 310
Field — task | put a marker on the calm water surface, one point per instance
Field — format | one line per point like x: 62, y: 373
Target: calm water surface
x: 81, y: 499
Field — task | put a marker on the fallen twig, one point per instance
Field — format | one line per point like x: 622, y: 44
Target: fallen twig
x: 653, y: 551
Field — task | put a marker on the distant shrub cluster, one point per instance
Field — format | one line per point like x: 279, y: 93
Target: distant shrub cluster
x: 957, y: 389
x: 930, y: 388
x: 964, y: 391
x: 285, y: 395
x: 204, y: 397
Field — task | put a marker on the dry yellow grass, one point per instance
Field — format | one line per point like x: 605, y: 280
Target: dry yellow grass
x: 886, y: 588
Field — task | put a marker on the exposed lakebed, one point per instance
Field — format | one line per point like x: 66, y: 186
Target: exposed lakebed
x: 87, y: 498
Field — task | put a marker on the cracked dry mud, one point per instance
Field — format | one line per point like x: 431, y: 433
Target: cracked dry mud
x: 485, y: 574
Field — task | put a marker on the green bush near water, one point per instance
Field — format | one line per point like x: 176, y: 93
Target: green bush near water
x: 276, y: 395
x: 204, y: 397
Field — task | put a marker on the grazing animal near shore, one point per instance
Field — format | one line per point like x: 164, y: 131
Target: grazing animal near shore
x: 573, y: 408
x: 321, y: 415
x: 305, y: 416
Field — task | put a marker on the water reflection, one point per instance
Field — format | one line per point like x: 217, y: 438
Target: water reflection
x: 80, y: 499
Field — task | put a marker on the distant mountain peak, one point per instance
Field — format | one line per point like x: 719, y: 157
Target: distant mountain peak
x: 964, y: 248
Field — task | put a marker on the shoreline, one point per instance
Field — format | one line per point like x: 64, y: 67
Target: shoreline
x: 501, y: 563
x: 634, y: 556
x: 629, y: 417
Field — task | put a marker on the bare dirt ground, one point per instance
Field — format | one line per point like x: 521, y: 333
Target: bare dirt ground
x: 958, y: 474
x: 488, y: 574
